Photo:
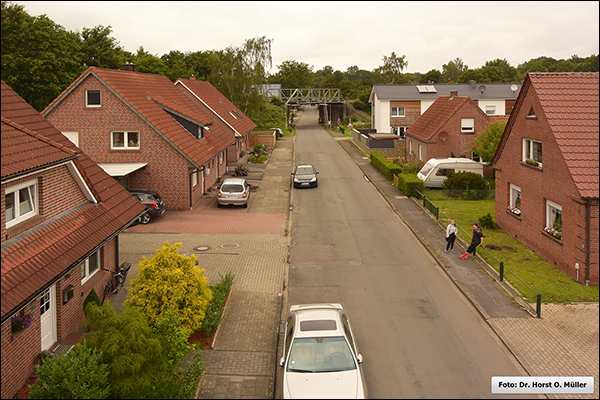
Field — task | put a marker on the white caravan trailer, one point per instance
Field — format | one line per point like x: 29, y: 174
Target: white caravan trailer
x: 435, y: 170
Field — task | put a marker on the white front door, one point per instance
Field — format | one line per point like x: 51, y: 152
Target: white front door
x: 48, y: 317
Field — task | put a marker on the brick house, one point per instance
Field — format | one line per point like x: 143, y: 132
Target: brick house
x: 547, y: 171
x: 447, y: 128
x: 61, y: 217
x: 145, y: 132
x: 231, y: 118
x: 395, y: 108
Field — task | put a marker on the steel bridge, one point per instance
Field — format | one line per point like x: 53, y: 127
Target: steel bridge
x: 311, y: 96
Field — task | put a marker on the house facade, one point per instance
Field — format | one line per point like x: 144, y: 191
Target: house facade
x: 547, y: 171
x: 145, y: 132
x: 395, y: 108
x: 227, y: 115
x: 447, y: 128
x: 61, y: 217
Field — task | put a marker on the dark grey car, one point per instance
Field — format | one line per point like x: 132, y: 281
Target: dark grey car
x: 305, y: 176
x: 155, y: 206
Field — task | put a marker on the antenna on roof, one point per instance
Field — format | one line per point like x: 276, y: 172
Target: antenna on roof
x: 482, y: 88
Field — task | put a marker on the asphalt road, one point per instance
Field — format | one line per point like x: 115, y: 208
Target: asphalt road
x: 419, y: 336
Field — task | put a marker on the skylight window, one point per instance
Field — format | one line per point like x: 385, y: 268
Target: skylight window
x: 426, y: 89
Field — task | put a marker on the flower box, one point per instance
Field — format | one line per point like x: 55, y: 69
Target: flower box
x: 514, y: 210
x: 20, y: 322
x: 554, y: 232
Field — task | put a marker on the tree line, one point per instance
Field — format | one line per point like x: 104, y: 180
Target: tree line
x: 40, y: 59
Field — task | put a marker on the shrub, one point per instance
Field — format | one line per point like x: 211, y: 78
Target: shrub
x: 465, y: 181
x: 170, y: 280
x: 78, y: 374
x: 387, y: 167
x: 487, y: 221
x: 92, y: 297
x: 215, y: 308
x: 175, y: 337
x: 406, y: 183
x: 240, y: 170
x: 135, y: 355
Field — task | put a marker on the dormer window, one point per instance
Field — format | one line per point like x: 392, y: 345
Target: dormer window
x: 92, y: 98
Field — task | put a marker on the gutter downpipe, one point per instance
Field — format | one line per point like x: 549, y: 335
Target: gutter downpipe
x: 588, y: 229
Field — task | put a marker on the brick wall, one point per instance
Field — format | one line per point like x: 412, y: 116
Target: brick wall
x: 552, y: 182
x: 167, y: 169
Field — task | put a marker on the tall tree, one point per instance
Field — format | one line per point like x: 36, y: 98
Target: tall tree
x: 99, y: 49
x: 433, y: 76
x: 487, y: 142
x: 453, y: 69
x: 392, y: 68
x: 238, y: 71
x: 149, y: 63
x: 39, y: 58
x: 293, y: 74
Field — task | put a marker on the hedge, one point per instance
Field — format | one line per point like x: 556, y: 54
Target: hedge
x: 406, y: 183
x: 387, y: 167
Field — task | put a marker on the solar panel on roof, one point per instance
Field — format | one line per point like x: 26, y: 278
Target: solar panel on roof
x: 426, y: 89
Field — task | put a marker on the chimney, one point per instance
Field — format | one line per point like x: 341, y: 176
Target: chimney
x: 192, y: 78
x: 454, y: 93
x: 129, y: 67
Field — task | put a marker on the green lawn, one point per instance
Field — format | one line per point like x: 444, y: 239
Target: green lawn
x: 541, y: 276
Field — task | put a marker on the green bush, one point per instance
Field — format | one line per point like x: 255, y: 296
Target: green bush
x: 175, y: 337
x: 215, y: 307
x: 78, y: 374
x: 406, y: 183
x: 92, y: 297
x: 387, y: 167
x: 487, y: 221
x: 465, y: 181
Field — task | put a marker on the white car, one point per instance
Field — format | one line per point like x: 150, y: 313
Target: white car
x: 234, y: 191
x: 320, y: 357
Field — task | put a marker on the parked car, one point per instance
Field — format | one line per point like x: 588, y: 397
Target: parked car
x: 234, y: 191
x: 155, y: 206
x: 305, y: 176
x: 320, y: 357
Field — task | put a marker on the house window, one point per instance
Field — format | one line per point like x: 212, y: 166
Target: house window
x: 420, y: 152
x: 467, y: 125
x: 21, y: 202
x: 92, y: 98
x: 553, y: 219
x: 532, y: 152
x: 90, y: 266
x: 531, y: 114
x: 194, y: 178
x: 515, y: 200
x: 397, y: 111
x: 410, y: 151
x: 490, y: 110
x: 125, y: 140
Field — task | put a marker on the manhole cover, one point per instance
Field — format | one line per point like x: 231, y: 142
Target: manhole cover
x: 230, y: 245
x: 202, y: 248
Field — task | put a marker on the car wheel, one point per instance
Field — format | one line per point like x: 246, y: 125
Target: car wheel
x: 246, y: 205
x: 145, y: 218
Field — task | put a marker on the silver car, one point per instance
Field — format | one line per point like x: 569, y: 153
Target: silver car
x: 320, y: 358
x: 234, y: 191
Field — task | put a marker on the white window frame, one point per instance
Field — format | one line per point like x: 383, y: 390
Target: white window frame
x: 87, y: 103
x: 515, y: 193
x: 550, y: 216
x: 126, y: 140
x: 31, y: 188
x: 467, y: 125
x: 410, y: 150
x: 420, y: 152
x: 399, y: 111
x: 86, y: 273
x: 194, y: 178
x: 490, y: 110
x: 529, y: 153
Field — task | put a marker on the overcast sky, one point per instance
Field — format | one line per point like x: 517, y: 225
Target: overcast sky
x: 344, y: 34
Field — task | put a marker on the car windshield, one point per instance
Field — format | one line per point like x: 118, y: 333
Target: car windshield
x: 304, y: 171
x: 232, y: 188
x: 320, y: 354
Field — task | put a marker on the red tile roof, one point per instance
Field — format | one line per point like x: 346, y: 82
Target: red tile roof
x: 219, y: 104
x: 38, y: 257
x: 442, y: 109
x: 149, y: 94
x: 570, y: 103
